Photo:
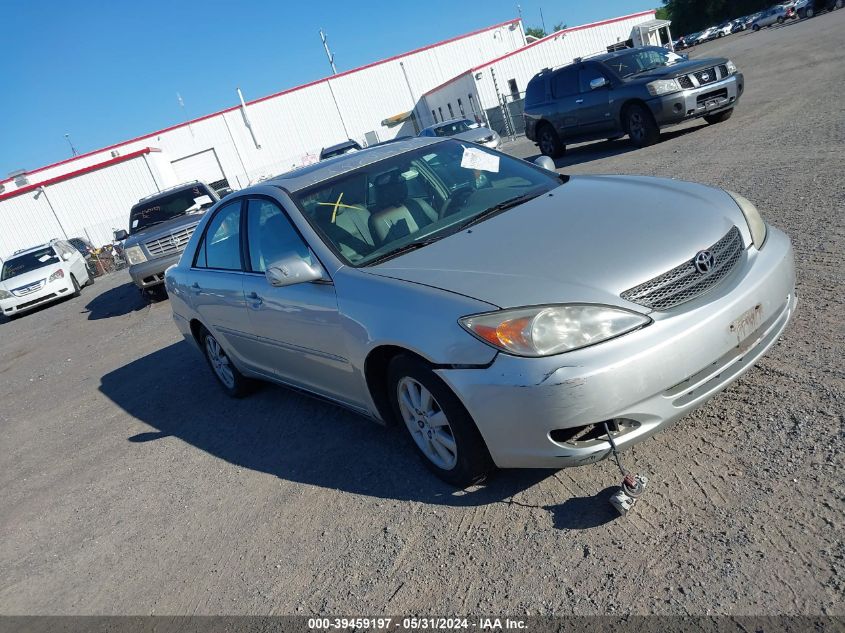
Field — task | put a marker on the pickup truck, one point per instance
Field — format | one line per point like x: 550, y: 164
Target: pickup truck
x: 631, y: 91
x: 160, y: 226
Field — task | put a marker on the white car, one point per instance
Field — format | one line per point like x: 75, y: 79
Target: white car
x: 39, y: 275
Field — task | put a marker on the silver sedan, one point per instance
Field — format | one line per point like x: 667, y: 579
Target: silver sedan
x: 501, y: 312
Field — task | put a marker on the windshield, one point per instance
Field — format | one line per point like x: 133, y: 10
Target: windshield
x: 28, y: 262
x: 163, y: 208
x: 454, y: 127
x: 423, y: 195
x: 642, y: 60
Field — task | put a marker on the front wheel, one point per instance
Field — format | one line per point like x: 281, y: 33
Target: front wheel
x: 809, y: 12
x: 641, y: 127
x: 755, y: 28
x: 718, y: 118
x: 549, y: 142
x: 442, y: 430
x: 76, y: 288
x: 780, y: 20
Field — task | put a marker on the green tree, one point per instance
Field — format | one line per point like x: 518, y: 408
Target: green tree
x: 535, y: 31
x: 558, y: 27
x: 688, y: 16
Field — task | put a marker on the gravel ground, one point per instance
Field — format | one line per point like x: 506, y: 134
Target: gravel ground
x: 131, y: 485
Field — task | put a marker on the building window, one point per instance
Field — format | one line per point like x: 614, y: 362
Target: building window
x: 513, y: 88
x: 451, y: 113
x: 434, y: 116
x: 440, y: 110
x: 471, y: 103
x: 461, y: 108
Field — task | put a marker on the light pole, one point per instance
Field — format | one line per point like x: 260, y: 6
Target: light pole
x: 72, y: 148
x: 42, y: 190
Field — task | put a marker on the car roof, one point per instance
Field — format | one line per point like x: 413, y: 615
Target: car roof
x: 312, y: 174
x: 347, y: 143
x: 601, y: 57
x: 30, y: 249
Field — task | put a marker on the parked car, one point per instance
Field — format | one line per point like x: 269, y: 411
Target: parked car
x: 776, y: 15
x: 465, y: 130
x: 633, y: 91
x: 725, y: 28
x: 691, y: 39
x: 160, y: 226
x: 339, y: 149
x: 502, y: 313
x: 706, y: 35
x: 36, y: 276
x: 738, y: 25
x: 811, y: 8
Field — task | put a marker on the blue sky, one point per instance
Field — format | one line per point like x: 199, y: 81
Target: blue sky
x: 109, y: 70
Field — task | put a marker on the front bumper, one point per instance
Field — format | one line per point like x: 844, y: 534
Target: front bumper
x: 151, y: 272
x: 697, y: 102
x: 50, y: 291
x: 647, y: 379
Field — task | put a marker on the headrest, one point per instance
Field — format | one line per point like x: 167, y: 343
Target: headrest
x: 390, y: 190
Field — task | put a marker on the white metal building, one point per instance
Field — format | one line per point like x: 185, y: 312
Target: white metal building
x: 482, y: 86
x: 90, y: 195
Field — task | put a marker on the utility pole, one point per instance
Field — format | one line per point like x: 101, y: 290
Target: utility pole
x: 329, y: 54
x: 542, y: 20
x: 519, y: 10
x: 184, y: 112
x: 73, y: 151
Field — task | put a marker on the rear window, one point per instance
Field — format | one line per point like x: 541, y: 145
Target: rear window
x: 163, y: 208
x: 28, y: 262
x: 535, y: 92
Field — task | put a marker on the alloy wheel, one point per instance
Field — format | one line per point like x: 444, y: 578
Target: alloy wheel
x: 219, y: 362
x: 636, y: 126
x: 427, y: 423
x: 546, y: 143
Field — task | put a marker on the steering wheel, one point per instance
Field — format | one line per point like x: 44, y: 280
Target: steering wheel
x: 456, y: 200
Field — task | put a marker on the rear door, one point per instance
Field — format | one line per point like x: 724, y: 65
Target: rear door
x: 594, y: 117
x: 565, y: 94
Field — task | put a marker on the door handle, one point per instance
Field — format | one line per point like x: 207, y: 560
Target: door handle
x: 195, y: 287
x: 579, y: 101
x: 255, y: 298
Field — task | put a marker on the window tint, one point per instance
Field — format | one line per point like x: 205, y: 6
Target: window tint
x: 271, y: 236
x: 586, y: 75
x: 536, y: 91
x: 221, y: 246
x: 565, y: 82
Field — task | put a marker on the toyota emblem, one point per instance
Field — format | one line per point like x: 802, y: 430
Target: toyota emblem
x: 704, y: 262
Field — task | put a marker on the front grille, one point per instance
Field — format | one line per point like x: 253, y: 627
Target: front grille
x: 685, y: 82
x: 706, y: 76
x: 29, y: 289
x: 173, y: 243
x: 723, y: 70
x: 710, y: 96
x: 684, y: 283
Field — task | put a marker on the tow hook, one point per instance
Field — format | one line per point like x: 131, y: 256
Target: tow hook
x: 632, y: 486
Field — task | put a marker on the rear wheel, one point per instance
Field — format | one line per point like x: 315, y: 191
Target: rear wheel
x: 442, y: 430
x: 780, y: 20
x: 718, y: 118
x: 837, y: 4
x: 755, y: 28
x: 549, y: 142
x: 641, y: 127
x: 809, y: 12
x: 233, y: 382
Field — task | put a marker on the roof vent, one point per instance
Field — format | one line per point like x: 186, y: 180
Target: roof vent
x: 115, y: 153
x: 20, y: 177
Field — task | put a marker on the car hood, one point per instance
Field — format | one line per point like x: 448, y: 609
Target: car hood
x: 31, y: 277
x: 474, y: 135
x: 588, y: 241
x: 165, y: 228
x: 676, y: 70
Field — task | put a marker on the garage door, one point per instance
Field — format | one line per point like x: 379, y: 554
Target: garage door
x: 202, y: 166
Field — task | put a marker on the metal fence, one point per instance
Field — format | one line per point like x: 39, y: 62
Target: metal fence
x: 507, y: 118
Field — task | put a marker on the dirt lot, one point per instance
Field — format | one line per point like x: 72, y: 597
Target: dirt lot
x: 130, y: 484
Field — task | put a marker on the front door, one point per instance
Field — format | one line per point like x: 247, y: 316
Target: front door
x: 594, y: 118
x: 296, y: 330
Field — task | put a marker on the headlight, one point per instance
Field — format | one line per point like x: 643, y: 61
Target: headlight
x: 731, y: 67
x: 59, y: 274
x: 548, y: 330
x: 756, y: 225
x: 135, y: 255
x: 5, y: 294
x: 662, y: 87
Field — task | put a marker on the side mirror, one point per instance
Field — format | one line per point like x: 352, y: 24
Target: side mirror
x: 291, y: 270
x: 546, y: 163
x: 598, y: 82
x: 120, y: 235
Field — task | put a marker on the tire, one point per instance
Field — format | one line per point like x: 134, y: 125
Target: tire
x: 755, y: 28
x: 640, y: 125
x: 718, y: 118
x: 442, y: 430
x: 549, y: 142
x: 780, y: 20
x: 77, y: 290
x: 233, y: 382
x: 809, y: 12
x: 837, y: 5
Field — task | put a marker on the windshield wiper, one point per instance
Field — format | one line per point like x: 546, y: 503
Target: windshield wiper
x: 510, y: 203
x: 404, y: 249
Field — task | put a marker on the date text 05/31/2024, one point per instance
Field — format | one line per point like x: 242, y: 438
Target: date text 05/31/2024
x: 416, y: 623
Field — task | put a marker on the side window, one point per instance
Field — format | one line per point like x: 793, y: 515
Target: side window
x: 586, y: 75
x: 221, y: 246
x: 271, y: 236
x: 565, y: 83
x: 536, y: 91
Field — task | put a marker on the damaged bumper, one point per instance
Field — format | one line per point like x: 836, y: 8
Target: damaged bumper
x: 539, y: 413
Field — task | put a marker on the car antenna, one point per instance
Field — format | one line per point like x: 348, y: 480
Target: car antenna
x: 632, y: 486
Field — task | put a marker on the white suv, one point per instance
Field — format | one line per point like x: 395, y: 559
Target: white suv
x: 38, y: 275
